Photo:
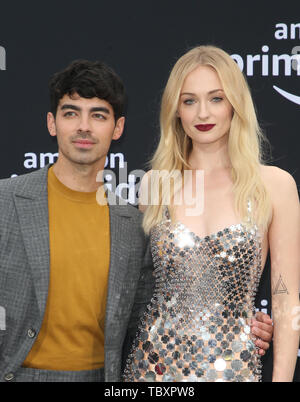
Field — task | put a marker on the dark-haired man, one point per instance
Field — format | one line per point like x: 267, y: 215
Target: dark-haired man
x: 70, y: 266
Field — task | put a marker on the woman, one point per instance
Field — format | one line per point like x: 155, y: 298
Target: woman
x: 208, y: 260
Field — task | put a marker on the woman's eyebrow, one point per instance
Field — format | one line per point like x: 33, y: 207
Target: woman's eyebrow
x: 209, y: 93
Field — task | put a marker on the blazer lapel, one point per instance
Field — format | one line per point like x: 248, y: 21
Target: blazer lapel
x: 120, y: 236
x: 31, y: 203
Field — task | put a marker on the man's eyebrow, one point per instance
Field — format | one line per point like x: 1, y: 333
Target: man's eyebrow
x: 209, y: 93
x: 100, y: 109
x: 93, y: 109
x: 66, y: 106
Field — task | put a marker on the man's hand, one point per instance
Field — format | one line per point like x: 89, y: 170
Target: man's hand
x: 262, y: 328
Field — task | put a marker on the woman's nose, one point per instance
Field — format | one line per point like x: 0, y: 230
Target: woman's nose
x: 203, y: 110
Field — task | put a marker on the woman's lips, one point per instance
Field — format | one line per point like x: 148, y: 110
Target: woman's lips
x: 204, y: 127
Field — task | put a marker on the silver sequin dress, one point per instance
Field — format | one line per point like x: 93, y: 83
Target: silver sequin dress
x: 197, y: 327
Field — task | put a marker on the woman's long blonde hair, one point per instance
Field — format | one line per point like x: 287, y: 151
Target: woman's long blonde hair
x: 245, y: 143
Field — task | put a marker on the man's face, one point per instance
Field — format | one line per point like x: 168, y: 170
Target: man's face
x: 84, y: 129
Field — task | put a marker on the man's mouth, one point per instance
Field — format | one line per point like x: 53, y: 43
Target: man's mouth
x: 83, y: 143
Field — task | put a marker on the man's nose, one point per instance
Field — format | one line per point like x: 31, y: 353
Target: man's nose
x: 84, y: 124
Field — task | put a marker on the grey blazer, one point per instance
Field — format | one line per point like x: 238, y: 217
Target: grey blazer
x: 24, y: 273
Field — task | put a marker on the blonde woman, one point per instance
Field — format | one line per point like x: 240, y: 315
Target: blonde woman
x: 211, y: 231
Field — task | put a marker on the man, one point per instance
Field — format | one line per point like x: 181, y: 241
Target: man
x: 74, y: 275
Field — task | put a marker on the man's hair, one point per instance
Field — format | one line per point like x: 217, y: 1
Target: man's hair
x: 88, y: 79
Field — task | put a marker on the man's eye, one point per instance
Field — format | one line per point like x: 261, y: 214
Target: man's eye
x: 99, y: 116
x: 69, y: 114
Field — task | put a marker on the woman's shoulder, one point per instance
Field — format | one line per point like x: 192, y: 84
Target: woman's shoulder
x: 273, y: 174
x: 279, y: 182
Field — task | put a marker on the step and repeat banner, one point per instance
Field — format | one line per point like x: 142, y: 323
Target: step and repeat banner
x: 141, y: 40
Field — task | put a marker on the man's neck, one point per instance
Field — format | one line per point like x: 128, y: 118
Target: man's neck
x: 84, y: 178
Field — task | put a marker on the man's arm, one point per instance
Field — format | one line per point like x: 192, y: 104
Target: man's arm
x: 262, y: 328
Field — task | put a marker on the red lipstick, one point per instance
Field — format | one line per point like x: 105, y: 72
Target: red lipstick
x: 204, y: 127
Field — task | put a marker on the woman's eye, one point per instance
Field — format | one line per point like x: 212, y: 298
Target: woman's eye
x: 217, y: 99
x: 189, y: 101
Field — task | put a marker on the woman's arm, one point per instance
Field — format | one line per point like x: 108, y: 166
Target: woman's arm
x: 284, y: 240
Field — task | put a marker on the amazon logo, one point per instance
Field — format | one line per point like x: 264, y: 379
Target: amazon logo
x: 275, y: 65
x: 296, y: 66
x: 267, y: 63
x: 288, y: 95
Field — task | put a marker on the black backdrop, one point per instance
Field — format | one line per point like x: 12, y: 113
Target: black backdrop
x: 141, y: 40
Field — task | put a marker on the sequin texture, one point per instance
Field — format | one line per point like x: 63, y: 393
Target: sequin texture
x: 197, y: 326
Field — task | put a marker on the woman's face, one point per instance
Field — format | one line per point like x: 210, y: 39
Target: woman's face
x: 203, y: 108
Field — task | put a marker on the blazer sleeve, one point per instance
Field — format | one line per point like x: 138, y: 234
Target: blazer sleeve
x: 143, y: 296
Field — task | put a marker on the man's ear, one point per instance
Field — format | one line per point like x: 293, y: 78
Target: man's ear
x: 119, y: 128
x: 51, y: 124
